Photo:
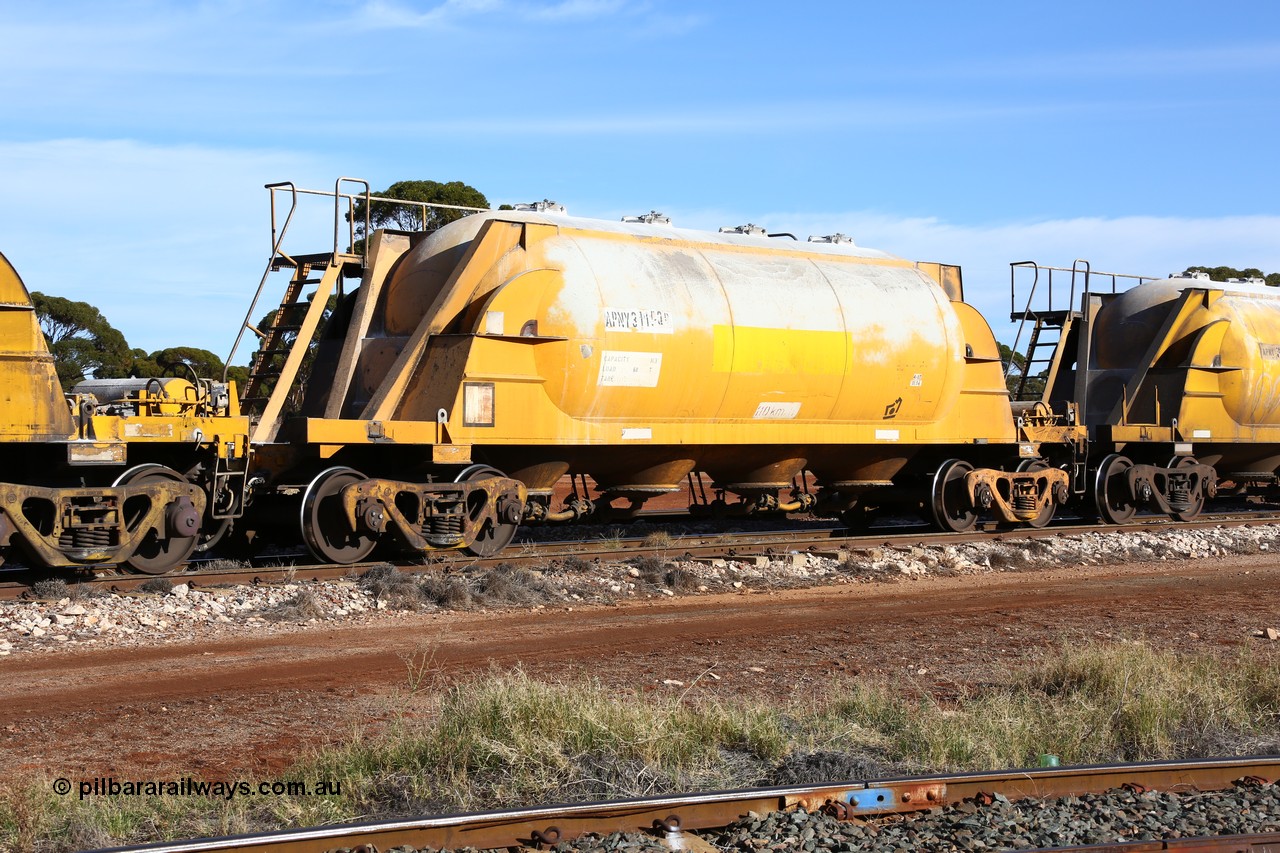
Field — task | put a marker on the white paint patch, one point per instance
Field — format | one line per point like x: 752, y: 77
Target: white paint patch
x: 654, y: 320
x: 494, y: 322
x: 1201, y: 433
x: 637, y: 434
x: 142, y: 430
x: 886, y: 435
x: 96, y: 454
x: 777, y: 411
x: 630, y: 369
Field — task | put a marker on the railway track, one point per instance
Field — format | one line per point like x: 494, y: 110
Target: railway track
x: 820, y: 539
x: 953, y: 806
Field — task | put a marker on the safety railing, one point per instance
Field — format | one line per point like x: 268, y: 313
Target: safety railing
x: 1051, y: 310
x: 353, y: 202
x: 1083, y: 279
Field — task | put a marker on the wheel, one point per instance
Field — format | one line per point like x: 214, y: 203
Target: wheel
x: 157, y: 553
x: 325, y: 529
x: 1111, y: 494
x: 1045, y: 515
x: 949, y: 499
x: 1197, y: 499
x: 493, y: 534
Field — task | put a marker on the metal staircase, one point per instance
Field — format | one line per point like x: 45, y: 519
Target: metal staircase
x: 1050, y: 330
x: 1051, y: 326
x: 284, y: 344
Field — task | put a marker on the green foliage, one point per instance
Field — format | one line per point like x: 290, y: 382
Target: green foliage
x: 81, y: 340
x: 1224, y: 273
x: 1035, y: 384
x: 410, y: 218
x: 174, y: 361
x: 84, y: 344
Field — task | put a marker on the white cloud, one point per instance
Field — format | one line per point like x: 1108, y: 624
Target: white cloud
x: 575, y: 10
x: 764, y: 117
x: 642, y: 18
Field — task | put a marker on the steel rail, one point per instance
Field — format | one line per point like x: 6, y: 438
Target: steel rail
x: 832, y: 541
x: 670, y: 817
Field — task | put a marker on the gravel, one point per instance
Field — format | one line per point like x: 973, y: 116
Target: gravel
x: 183, y: 613
x: 1117, y: 816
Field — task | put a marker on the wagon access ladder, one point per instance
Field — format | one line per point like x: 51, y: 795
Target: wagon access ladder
x: 283, y: 345
x: 286, y: 341
x: 1051, y: 329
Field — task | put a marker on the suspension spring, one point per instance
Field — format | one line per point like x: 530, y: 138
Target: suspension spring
x: 442, y: 526
x: 1024, y: 501
x: 87, y: 537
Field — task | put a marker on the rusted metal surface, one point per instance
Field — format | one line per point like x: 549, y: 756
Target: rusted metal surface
x: 90, y: 526
x: 446, y: 515
x: 834, y: 542
x: 536, y: 827
x: 1025, y: 497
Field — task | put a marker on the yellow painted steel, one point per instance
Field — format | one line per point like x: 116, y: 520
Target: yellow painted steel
x: 30, y: 396
x: 597, y: 334
x: 1205, y: 354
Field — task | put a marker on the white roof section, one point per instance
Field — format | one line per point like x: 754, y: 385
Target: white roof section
x: 684, y: 235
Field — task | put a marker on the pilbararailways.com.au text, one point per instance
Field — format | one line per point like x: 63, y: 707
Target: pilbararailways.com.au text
x: 109, y: 786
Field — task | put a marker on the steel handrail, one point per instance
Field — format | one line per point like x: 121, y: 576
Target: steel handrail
x: 1026, y: 311
x: 351, y: 217
x: 276, y: 242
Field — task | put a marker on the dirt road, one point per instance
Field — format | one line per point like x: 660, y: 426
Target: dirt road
x: 251, y: 705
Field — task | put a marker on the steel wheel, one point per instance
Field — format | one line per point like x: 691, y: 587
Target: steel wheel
x: 1045, y: 515
x: 949, y: 499
x: 325, y: 529
x: 158, y: 553
x: 493, y: 534
x: 1197, y: 500
x: 1111, y: 494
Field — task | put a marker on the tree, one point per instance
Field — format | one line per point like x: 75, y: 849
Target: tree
x: 384, y: 214
x: 1035, y: 384
x: 1224, y: 273
x: 175, y: 361
x: 81, y: 340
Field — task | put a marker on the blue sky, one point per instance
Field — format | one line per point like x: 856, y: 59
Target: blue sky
x: 136, y: 136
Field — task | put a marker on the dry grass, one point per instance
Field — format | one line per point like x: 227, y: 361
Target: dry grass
x: 506, y: 739
x: 387, y: 583
x: 304, y: 606
x: 659, y: 539
x: 158, y: 586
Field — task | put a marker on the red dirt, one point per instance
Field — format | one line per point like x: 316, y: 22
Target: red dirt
x: 249, y: 706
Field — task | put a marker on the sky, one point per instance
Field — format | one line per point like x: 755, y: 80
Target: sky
x: 135, y: 137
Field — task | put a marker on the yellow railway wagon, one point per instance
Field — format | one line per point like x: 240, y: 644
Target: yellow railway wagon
x: 139, y: 472
x: 1178, y: 381
x: 793, y: 375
